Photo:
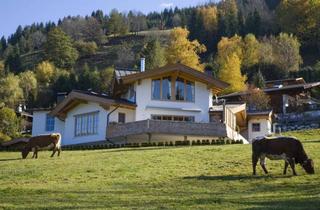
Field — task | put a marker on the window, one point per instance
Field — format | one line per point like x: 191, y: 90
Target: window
x: 166, y: 88
x: 173, y: 118
x: 189, y: 91
x: 49, y: 123
x: 180, y: 89
x: 121, y: 118
x: 86, y: 124
x: 156, y: 89
x: 183, y: 90
x: 255, y: 127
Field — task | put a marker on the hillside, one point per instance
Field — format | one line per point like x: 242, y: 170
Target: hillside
x: 203, y: 177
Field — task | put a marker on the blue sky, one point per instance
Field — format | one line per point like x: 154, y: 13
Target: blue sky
x: 25, y: 12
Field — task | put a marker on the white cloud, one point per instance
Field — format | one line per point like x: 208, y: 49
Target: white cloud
x: 166, y: 5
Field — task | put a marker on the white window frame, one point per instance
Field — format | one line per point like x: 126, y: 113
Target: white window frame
x: 86, y: 124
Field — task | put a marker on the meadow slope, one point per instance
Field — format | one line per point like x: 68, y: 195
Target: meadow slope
x: 200, y: 177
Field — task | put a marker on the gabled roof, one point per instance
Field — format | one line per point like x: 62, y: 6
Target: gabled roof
x: 303, y: 86
x: 179, y: 69
x: 77, y: 97
x: 298, y: 80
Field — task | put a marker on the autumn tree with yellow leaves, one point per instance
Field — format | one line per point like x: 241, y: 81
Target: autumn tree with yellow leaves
x: 230, y: 72
x: 182, y: 50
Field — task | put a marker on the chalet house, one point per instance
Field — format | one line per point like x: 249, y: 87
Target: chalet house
x: 171, y: 103
x: 288, y: 95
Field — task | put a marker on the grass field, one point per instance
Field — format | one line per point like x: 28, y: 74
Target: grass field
x: 202, y: 177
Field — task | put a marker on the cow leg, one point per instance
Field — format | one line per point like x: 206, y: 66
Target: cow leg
x: 255, y: 159
x: 59, y: 150
x: 263, y: 164
x: 286, y: 164
x: 53, y: 151
x: 36, y: 152
x: 292, y: 165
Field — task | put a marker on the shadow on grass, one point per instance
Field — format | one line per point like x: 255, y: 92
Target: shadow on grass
x: 235, y: 177
x: 10, y: 159
x: 283, y: 204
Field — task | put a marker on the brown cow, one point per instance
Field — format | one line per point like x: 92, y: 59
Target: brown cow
x: 277, y: 148
x: 52, y: 141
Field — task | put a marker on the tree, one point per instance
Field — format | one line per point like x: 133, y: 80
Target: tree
x: 253, y: 22
x: 106, y: 76
x: 182, y: 50
x: 302, y: 18
x: 286, y: 49
x: 116, y: 23
x: 28, y: 83
x: 258, y: 80
x: 154, y: 54
x: 251, y: 51
x: 230, y: 72
x: 86, y: 48
x: 229, y: 46
x: 12, y: 58
x: 9, y: 123
x: 10, y: 92
x: 89, y: 79
x: 228, y: 18
x: 45, y: 73
x: 2, y: 70
x: 257, y: 100
x: 137, y: 21
x: 60, y: 49
x: 37, y: 40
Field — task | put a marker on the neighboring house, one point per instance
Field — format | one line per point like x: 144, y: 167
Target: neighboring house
x: 288, y: 95
x: 165, y: 104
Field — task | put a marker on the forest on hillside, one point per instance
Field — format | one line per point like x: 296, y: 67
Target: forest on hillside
x: 240, y: 41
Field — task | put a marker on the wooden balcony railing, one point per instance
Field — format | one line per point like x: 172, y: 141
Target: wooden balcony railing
x: 167, y: 127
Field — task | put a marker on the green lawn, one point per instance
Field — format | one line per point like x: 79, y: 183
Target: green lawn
x: 202, y: 177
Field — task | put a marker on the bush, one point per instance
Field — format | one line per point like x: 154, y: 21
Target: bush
x: 160, y: 144
x: 171, y: 144
x: 9, y: 123
x: 86, y: 48
x: 4, y: 137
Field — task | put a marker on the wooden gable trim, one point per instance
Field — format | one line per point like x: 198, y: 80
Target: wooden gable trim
x: 75, y: 98
x: 182, y: 70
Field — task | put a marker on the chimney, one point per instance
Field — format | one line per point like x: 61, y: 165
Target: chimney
x: 142, y: 64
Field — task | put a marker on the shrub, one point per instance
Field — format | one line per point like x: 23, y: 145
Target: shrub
x: 86, y: 48
x: 228, y: 141
x: 171, y: 144
x: 233, y: 141
x: 198, y: 142
x: 4, y: 137
x: 9, y: 123
x: 160, y: 144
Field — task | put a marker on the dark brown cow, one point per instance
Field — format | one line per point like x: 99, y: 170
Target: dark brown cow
x: 277, y: 148
x: 52, y: 141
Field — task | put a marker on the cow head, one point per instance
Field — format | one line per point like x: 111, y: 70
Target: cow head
x: 25, y: 151
x: 308, y: 166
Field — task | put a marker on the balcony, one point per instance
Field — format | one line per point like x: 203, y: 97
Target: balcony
x: 167, y: 128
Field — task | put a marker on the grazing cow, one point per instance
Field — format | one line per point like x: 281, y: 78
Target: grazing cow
x: 287, y: 148
x: 52, y: 141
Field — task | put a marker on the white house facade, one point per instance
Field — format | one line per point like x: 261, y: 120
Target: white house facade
x: 169, y: 103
